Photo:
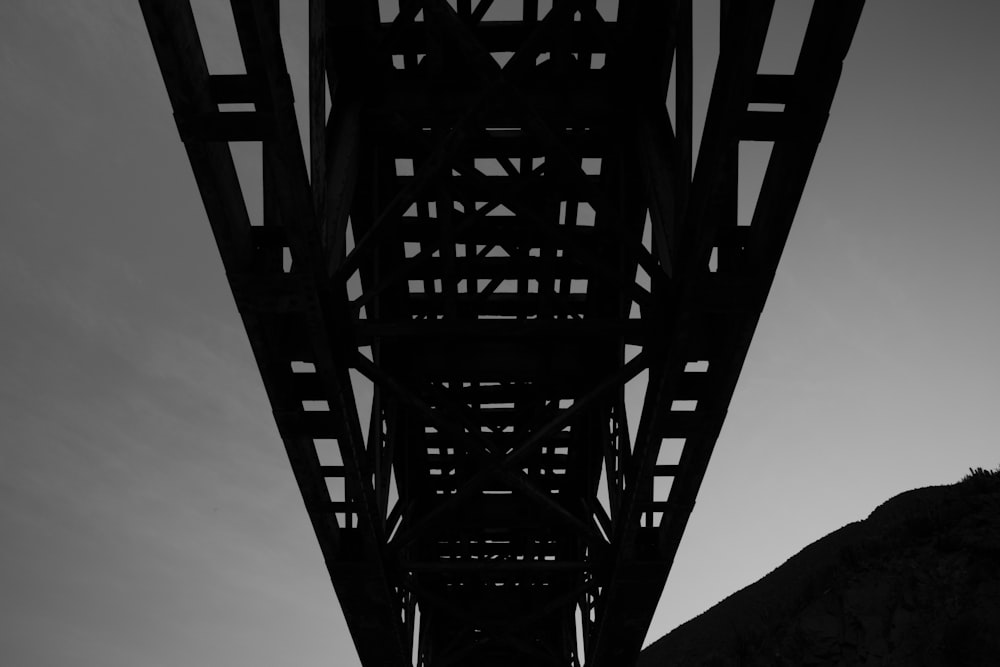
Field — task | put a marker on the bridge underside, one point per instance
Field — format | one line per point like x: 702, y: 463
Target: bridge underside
x: 497, y: 230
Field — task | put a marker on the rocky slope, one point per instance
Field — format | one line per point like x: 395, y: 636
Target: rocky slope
x: 917, y: 583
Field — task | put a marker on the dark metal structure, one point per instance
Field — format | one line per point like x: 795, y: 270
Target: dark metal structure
x: 497, y: 226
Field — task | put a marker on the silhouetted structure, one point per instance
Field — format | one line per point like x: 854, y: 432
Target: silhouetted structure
x: 501, y: 230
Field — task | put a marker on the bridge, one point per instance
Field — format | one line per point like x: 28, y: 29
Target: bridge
x: 495, y: 231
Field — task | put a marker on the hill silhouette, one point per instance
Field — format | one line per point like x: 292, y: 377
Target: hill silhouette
x: 917, y: 583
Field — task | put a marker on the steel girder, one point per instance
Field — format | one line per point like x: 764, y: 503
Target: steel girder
x: 497, y: 230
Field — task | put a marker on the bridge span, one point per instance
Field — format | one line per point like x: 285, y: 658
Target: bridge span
x: 495, y: 227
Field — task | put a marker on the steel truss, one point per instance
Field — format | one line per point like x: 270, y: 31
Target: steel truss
x: 498, y: 228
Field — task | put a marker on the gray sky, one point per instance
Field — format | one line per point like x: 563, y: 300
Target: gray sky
x: 148, y: 513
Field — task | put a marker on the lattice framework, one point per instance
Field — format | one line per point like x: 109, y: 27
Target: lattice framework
x: 498, y: 229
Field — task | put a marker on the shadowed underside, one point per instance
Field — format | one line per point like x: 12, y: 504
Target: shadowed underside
x: 498, y: 232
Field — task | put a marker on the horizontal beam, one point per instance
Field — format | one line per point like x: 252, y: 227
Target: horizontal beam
x: 487, y: 565
x: 632, y: 330
x: 504, y: 36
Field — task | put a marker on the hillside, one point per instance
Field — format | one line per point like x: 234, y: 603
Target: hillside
x: 916, y: 583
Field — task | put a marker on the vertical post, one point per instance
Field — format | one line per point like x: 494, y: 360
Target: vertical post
x: 317, y: 103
